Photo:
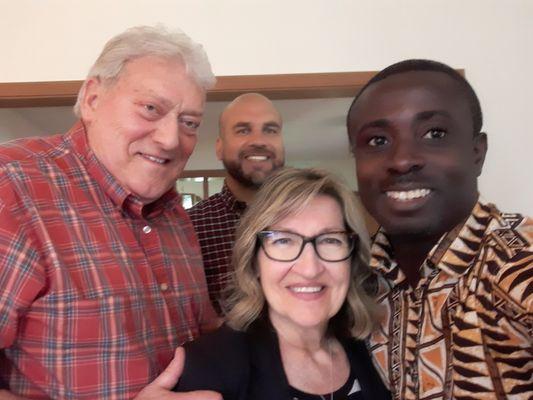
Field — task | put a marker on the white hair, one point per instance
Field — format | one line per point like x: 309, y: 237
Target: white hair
x: 141, y: 41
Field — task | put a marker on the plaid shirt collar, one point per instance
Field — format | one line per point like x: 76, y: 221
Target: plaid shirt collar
x: 123, y: 199
x: 453, y: 253
x: 230, y: 201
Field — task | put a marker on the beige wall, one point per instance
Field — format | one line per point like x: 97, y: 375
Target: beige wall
x: 13, y: 126
x: 491, y: 39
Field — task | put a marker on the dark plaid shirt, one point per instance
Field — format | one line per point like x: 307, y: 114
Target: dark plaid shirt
x: 214, y: 220
x: 96, y: 290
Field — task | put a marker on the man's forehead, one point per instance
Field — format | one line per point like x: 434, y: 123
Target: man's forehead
x: 251, y: 115
x: 253, y: 110
x: 147, y: 68
x: 161, y: 79
x: 424, y: 89
x: 439, y: 84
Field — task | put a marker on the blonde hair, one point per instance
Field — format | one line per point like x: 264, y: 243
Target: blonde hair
x: 285, y: 192
x: 141, y: 41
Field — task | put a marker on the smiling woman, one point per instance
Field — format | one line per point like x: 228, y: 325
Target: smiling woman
x: 300, y: 300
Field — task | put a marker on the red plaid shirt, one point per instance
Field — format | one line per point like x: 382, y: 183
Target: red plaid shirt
x: 96, y: 291
x: 215, y: 220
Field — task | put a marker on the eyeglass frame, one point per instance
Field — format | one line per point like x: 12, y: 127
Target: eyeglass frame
x: 353, y: 237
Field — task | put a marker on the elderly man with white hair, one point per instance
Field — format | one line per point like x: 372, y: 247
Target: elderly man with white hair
x: 101, y: 275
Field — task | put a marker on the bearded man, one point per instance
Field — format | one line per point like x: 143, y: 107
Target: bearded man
x: 250, y: 145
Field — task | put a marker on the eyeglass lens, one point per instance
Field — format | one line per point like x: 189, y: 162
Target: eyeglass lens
x: 287, y: 246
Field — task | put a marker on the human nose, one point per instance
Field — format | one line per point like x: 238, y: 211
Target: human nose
x: 406, y: 157
x: 308, y: 264
x: 257, y: 137
x: 167, y: 132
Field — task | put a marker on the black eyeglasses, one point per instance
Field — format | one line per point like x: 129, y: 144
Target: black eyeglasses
x: 287, y: 246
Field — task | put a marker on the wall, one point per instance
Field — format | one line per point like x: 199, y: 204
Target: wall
x: 13, y: 126
x: 491, y: 39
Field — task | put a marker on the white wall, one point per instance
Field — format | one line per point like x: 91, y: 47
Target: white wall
x: 491, y: 39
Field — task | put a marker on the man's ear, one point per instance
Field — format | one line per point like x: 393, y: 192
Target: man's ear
x: 480, y: 150
x: 218, y: 148
x: 91, y: 95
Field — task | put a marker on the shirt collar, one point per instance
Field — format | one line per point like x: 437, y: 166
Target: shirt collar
x: 454, y: 253
x: 122, y: 198
x: 230, y: 201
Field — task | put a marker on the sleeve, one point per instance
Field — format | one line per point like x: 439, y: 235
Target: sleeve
x: 512, y: 261
x: 217, y: 361
x: 512, y: 292
x: 22, y: 274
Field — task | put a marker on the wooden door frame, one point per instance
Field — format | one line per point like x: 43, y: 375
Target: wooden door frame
x: 281, y: 86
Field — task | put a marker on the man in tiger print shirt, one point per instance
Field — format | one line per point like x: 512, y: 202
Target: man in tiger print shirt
x: 455, y: 274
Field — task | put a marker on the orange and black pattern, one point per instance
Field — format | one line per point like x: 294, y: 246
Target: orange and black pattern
x: 466, y: 331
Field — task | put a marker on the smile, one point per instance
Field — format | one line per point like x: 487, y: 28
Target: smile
x: 406, y: 195
x: 306, y: 289
x: 256, y: 158
x: 155, y: 159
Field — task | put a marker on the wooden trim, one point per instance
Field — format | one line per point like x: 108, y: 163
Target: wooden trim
x: 38, y: 94
x: 206, y: 173
x: 283, y: 86
x: 291, y: 86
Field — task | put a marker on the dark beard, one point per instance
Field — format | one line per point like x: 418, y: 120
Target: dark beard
x: 252, y: 181
x: 235, y: 171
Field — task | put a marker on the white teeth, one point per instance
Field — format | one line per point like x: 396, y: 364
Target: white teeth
x: 155, y: 159
x: 408, y: 194
x: 306, y: 289
x: 257, y: 158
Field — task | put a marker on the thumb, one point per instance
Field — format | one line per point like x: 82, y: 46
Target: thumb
x: 172, y: 373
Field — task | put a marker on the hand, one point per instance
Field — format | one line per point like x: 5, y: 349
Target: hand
x: 160, y: 388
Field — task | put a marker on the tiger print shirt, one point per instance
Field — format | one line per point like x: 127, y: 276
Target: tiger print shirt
x: 466, y: 331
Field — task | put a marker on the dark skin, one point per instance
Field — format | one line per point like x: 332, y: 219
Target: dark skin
x: 417, y: 160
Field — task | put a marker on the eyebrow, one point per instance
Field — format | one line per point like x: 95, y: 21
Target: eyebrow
x: 323, y: 231
x: 270, y: 124
x: 168, y: 104
x: 425, y: 115
x: 159, y: 99
x: 421, y: 116
x: 248, y: 124
x: 378, y: 123
x: 192, y: 113
x: 241, y: 125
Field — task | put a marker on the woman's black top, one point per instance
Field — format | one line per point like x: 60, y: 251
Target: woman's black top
x: 247, y: 366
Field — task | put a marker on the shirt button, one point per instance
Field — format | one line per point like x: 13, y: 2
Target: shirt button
x: 147, y: 229
x: 164, y: 287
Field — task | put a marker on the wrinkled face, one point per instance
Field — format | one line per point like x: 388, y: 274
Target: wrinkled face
x: 144, y: 126
x: 417, y: 157
x: 306, y: 292
x: 250, y: 144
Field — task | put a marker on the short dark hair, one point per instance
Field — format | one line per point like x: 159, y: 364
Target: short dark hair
x: 428, y: 65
